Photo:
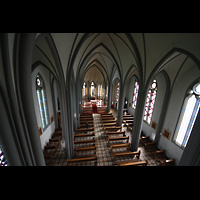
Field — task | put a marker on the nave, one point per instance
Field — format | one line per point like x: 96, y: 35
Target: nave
x: 103, y: 150
x: 49, y: 79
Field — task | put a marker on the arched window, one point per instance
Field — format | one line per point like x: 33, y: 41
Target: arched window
x: 117, y: 92
x: 3, y: 161
x: 42, y: 101
x: 99, y: 90
x: 135, y: 94
x: 92, y: 89
x: 84, y: 89
x: 187, y: 117
x: 106, y: 91
x: 150, y: 102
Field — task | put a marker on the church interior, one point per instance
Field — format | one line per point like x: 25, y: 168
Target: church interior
x: 99, y: 99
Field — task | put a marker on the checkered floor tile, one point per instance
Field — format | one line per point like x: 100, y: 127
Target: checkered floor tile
x: 103, y: 151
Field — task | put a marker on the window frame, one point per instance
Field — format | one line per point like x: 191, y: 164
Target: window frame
x: 84, y: 89
x: 151, y: 90
x: 3, y: 160
x: 44, y: 103
x: 117, y: 92
x: 189, y: 94
x: 92, y: 85
x: 135, y: 97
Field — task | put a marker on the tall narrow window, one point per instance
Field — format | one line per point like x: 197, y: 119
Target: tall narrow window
x: 135, y: 94
x: 117, y: 92
x: 42, y: 101
x: 107, y: 91
x: 150, y: 102
x: 99, y: 90
x: 84, y: 89
x: 3, y: 161
x: 187, y: 117
x: 92, y: 89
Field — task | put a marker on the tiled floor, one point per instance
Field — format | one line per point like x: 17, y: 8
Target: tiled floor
x: 104, y: 156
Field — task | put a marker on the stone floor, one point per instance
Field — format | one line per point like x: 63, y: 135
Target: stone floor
x: 104, y: 156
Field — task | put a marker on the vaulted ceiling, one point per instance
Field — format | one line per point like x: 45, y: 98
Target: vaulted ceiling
x: 127, y: 54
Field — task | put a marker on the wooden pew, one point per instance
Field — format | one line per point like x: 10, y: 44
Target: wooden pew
x: 116, y: 128
x: 58, y: 129
x: 127, y: 118
x: 109, y: 124
x: 128, y: 121
x: 124, y: 145
x: 48, y: 156
x: 84, y: 141
x: 89, y: 122
x: 118, y: 138
x: 84, y: 135
x: 160, y: 154
x: 47, y: 148
x: 84, y: 120
x: 86, y: 116
x: 144, y: 138
x: 57, y: 140
x: 84, y: 125
x: 127, y: 153
x: 108, y: 114
x: 168, y: 162
x: 127, y: 115
x: 150, y: 146
x: 84, y: 129
x: 116, y: 133
x: 57, y: 134
x: 92, y: 149
x: 130, y: 126
x: 85, y: 148
x: 107, y: 118
x: 109, y: 121
x: 135, y: 162
x: 81, y: 159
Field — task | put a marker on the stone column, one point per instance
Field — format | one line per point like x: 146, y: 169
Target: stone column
x: 120, y: 105
x: 138, y: 118
x: 26, y: 96
x: 109, y: 96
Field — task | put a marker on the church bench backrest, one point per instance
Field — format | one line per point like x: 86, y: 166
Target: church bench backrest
x: 129, y: 153
x: 81, y: 159
x: 133, y: 163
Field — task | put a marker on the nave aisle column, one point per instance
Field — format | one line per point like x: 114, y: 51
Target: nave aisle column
x: 138, y: 119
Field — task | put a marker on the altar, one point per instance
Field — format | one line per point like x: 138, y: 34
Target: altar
x: 94, y: 105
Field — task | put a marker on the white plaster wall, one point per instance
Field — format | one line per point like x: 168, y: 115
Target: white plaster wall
x: 173, y: 112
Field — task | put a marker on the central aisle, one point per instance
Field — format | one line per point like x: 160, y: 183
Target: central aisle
x: 104, y: 157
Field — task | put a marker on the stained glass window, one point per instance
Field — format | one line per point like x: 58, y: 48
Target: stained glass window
x: 3, y: 161
x: 187, y: 117
x: 150, y: 102
x: 42, y: 101
x: 135, y: 94
x: 117, y: 93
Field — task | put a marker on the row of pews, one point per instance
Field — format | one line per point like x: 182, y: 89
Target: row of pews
x: 151, y: 146
x: 84, y: 142
x: 52, y: 146
x: 128, y: 120
x: 119, y: 143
